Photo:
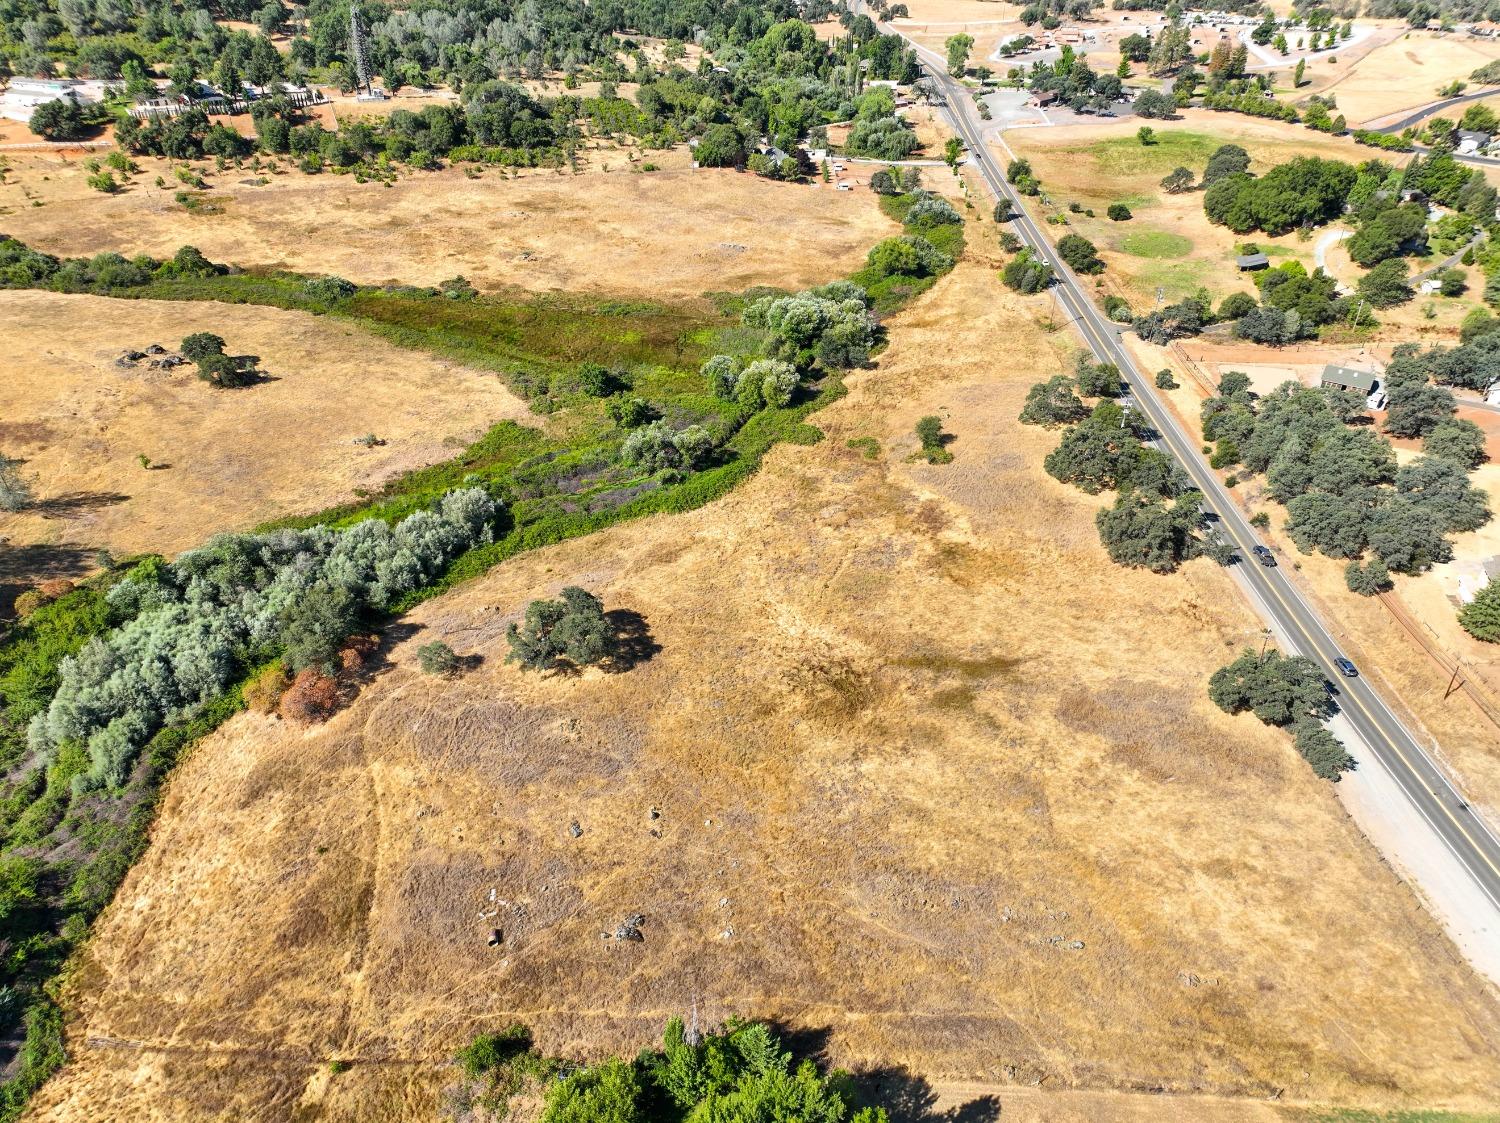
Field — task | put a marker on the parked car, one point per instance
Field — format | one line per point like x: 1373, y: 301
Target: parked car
x: 1346, y: 668
x: 1263, y: 555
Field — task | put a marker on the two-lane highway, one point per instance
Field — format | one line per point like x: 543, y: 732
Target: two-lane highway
x: 1424, y: 783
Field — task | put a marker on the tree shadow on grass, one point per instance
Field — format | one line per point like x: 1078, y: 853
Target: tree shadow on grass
x: 633, y: 644
x: 76, y: 503
x: 22, y: 567
x: 909, y: 1098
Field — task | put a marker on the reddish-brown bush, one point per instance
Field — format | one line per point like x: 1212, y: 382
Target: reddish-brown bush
x: 313, y: 696
x: 263, y: 692
x: 56, y: 587
x: 356, y: 652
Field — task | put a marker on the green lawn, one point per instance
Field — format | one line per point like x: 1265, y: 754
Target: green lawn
x: 1122, y: 156
x: 1156, y: 243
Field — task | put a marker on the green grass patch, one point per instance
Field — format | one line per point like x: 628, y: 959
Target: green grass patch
x: 1357, y: 1115
x: 1156, y: 243
x: 869, y: 446
x: 1121, y: 156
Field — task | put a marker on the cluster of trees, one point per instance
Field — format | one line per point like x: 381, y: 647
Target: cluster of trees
x: 1343, y: 491
x: 24, y: 268
x: 1156, y: 517
x: 187, y: 628
x: 214, y: 366
x: 831, y: 324
x: 1294, y: 304
x: 1077, y: 85
x: 1304, y: 191
x: 572, y: 631
x: 878, y: 133
x: 740, y: 1072
x: 1285, y: 691
x: 1027, y: 273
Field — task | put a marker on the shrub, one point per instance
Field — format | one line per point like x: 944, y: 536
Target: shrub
x: 658, y: 447
x: 1481, y: 616
x: 201, y: 345
x: 1164, y: 380
x: 329, y: 289
x: 570, y: 631
x: 1027, y: 273
x: 1081, y: 254
x: 908, y: 256
x: 312, y: 697
x: 1119, y: 212
x: 929, y: 211
x: 934, y: 440
x: 631, y: 413
x: 15, y: 490
x: 437, y: 658
x: 263, y: 693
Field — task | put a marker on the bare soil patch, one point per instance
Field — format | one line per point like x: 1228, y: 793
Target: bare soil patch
x: 227, y: 458
x: 674, y: 232
x: 938, y: 786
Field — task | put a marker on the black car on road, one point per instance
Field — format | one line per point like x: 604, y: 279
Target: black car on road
x: 1263, y: 555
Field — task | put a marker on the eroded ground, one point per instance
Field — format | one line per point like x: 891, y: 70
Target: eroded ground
x: 937, y: 783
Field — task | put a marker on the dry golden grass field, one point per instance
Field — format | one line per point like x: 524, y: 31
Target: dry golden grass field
x: 938, y: 786
x: 228, y: 458
x: 675, y: 232
x: 1405, y: 74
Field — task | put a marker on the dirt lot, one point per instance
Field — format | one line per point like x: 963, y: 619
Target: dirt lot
x: 228, y: 458
x: 675, y: 232
x: 937, y: 784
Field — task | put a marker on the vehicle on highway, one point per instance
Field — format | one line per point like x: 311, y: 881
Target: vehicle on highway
x: 1263, y: 555
x: 1346, y: 668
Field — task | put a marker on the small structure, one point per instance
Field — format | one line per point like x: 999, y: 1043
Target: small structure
x: 1492, y: 394
x: 1367, y: 382
x: 1042, y: 98
x: 1470, y: 142
x: 1249, y: 262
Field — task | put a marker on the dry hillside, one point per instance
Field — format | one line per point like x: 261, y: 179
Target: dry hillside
x: 938, y: 786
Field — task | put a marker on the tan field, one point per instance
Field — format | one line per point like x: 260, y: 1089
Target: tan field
x: 1406, y: 74
x: 934, y: 780
x: 675, y: 232
x: 226, y: 458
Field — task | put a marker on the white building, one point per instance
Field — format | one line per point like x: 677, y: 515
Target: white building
x: 25, y: 94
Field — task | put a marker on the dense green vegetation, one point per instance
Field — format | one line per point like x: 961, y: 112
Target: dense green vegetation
x: 1344, y: 493
x: 738, y: 1073
x: 1286, y: 691
x: 774, y: 78
x: 1156, y: 521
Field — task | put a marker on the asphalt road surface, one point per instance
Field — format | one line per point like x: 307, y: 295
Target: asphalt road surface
x: 1424, y: 783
